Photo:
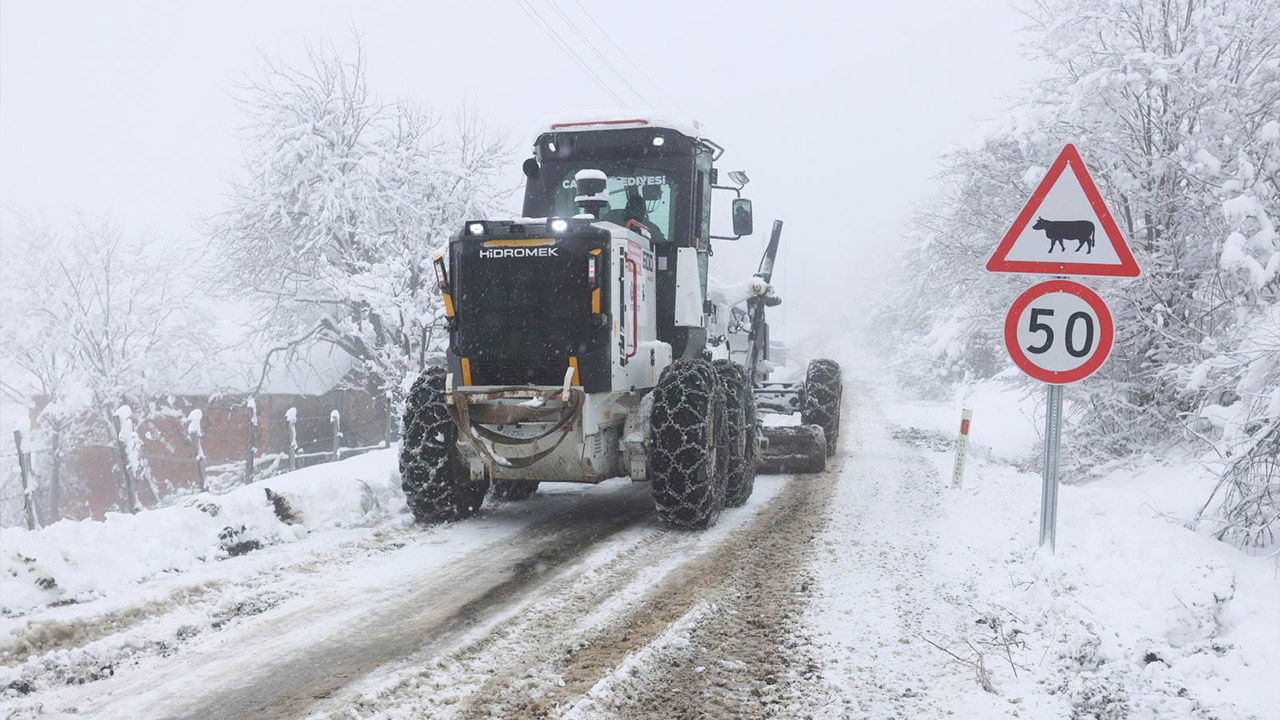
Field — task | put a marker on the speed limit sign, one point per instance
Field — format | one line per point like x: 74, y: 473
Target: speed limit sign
x: 1059, y: 332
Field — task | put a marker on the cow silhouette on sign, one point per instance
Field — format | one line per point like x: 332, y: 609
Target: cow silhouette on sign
x: 1059, y: 231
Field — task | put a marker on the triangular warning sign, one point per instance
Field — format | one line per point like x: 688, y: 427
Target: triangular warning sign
x: 1065, y: 229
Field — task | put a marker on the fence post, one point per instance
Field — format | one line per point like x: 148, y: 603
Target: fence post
x: 197, y: 439
x: 291, y: 417
x: 55, y: 487
x: 388, y: 435
x: 28, y: 492
x: 124, y: 436
x: 335, y: 419
x: 251, y: 437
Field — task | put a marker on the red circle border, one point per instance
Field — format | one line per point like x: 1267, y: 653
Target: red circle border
x: 1106, y: 332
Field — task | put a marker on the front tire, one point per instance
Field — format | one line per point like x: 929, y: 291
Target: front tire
x: 688, y: 407
x: 820, y: 405
x: 736, y: 456
x: 436, y: 483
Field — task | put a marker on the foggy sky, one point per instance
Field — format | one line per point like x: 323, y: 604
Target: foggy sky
x: 836, y: 110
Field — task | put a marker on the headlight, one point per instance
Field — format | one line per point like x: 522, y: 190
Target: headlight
x: 558, y: 225
x: 475, y: 228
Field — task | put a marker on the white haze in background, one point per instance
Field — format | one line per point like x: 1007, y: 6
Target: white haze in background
x: 836, y: 110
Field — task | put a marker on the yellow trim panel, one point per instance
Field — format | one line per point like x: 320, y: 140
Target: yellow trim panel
x: 573, y: 363
x: 595, y: 302
x: 535, y: 242
x: 448, y: 305
x: 466, y: 371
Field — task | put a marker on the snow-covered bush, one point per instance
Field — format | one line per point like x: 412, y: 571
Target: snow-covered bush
x: 1175, y: 107
x: 343, y: 203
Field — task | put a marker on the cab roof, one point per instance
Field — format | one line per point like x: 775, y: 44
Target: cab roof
x: 605, y: 122
x: 625, y: 121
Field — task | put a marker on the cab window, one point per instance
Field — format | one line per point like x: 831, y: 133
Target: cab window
x: 646, y: 195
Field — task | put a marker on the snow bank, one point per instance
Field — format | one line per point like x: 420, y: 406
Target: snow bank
x: 1135, y: 612
x: 75, y: 561
x: 1135, y: 616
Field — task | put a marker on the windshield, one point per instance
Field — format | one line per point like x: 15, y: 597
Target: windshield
x: 644, y: 194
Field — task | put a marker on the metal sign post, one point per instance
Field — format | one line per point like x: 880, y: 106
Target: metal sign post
x: 1052, y: 453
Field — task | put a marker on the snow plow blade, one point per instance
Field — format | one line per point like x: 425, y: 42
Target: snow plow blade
x: 794, y: 449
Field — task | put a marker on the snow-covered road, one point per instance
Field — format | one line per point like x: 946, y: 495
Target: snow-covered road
x: 870, y: 591
x: 526, y: 607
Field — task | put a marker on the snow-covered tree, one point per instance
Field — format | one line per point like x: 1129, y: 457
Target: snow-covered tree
x: 95, y: 319
x: 1175, y: 106
x: 344, y: 202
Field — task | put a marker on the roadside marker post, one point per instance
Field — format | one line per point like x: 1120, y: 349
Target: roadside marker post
x: 962, y: 448
x: 1060, y: 331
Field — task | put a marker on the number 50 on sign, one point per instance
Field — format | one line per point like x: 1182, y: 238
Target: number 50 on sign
x: 1059, y: 332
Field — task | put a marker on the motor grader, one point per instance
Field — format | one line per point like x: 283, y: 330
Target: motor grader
x: 581, y: 339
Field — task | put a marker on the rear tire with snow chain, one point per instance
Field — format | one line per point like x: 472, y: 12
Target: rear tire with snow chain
x: 433, y: 475
x: 736, y: 455
x: 514, y: 489
x: 820, y: 404
x: 688, y: 410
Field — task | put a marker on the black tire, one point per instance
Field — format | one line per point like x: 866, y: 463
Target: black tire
x: 435, y: 481
x: 688, y: 408
x: 820, y: 404
x: 512, y: 490
x: 736, y: 455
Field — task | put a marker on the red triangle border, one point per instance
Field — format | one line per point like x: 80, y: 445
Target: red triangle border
x: 999, y: 261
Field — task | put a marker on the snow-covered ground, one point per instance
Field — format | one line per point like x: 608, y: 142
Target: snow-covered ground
x: 874, y: 590
x: 936, y: 600
x: 76, y: 561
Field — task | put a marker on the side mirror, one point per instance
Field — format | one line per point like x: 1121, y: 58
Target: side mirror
x: 742, y: 223
x: 531, y: 168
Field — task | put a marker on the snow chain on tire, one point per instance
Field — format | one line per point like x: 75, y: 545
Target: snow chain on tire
x: 736, y: 456
x: 688, y: 409
x: 436, y: 484
x: 820, y: 404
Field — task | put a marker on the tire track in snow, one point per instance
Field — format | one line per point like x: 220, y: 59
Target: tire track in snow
x: 459, y: 598
x: 737, y: 652
x: 280, y: 663
x: 546, y: 654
